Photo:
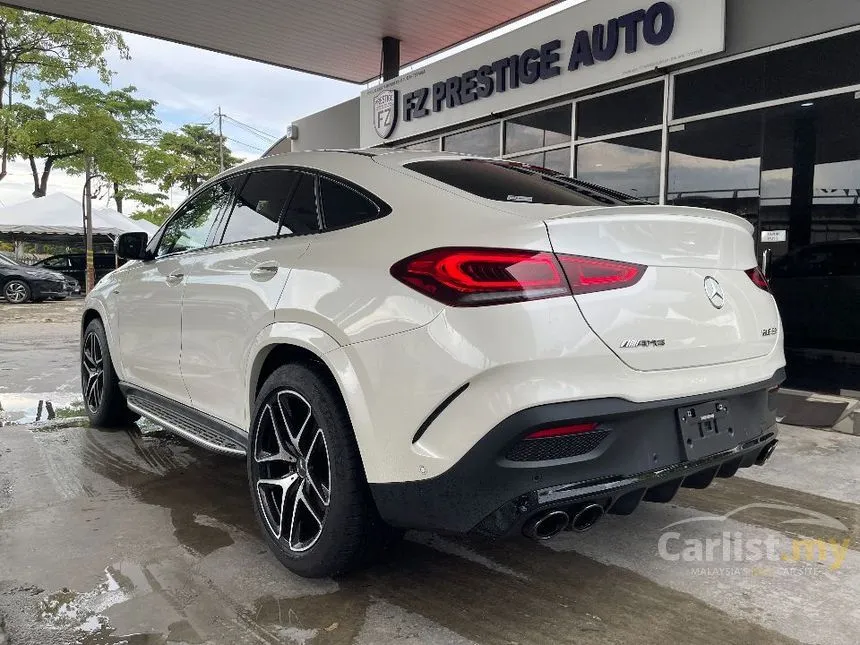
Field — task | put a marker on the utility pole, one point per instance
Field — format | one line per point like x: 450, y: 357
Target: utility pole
x: 220, y: 141
x: 88, y: 225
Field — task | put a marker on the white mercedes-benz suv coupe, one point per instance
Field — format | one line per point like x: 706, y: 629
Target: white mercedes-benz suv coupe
x: 403, y: 340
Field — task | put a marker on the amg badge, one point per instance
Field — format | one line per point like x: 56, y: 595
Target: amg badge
x: 633, y: 344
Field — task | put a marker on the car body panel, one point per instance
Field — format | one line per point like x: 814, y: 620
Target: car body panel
x: 149, y: 324
x: 226, y: 302
x: 398, y: 356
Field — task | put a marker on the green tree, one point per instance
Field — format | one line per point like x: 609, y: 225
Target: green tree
x: 186, y: 158
x: 157, y: 214
x: 72, y: 122
x: 46, y: 50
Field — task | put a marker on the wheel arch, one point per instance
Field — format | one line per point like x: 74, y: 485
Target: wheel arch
x: 282, y: 343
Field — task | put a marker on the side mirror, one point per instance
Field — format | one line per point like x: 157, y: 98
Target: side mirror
x: 131, y: 246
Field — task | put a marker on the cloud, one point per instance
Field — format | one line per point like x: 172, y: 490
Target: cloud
x: 189, y: 85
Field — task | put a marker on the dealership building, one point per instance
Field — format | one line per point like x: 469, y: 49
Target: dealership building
x: 749, y: 106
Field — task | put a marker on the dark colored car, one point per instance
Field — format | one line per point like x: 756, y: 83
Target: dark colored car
x: 20, y: 283
x: 74, y: 265
x: 817, y: 288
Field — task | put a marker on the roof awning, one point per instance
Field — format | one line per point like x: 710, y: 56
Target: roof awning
x: 333, y: 38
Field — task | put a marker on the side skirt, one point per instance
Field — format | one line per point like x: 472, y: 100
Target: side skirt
x: 195, y: 426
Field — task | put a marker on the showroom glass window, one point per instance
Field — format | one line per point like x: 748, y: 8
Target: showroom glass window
x: 259, y: 204
x: 483, y: 142
x: 423, y: 146
x: 792, y: 71
x: 538, y: 129
x: 189, y: 228
x: 556, y: 160
x: 621, y: 111
x: 628, y: 164
x: 716, y: 163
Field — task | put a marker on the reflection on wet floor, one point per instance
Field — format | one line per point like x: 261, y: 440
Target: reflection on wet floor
x: 34, y: 407
x: 165, y: 548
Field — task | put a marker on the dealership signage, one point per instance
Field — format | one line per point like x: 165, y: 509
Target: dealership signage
x: 586, y: 45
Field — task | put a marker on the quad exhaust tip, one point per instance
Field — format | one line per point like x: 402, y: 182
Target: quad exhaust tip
x: 765, y: 454
x: 587, y: 517
x: 548, y: 525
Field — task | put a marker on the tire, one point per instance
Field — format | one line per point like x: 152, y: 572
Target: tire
x: 104, y: 402
x: 311, y: 538
x: 17, y: 291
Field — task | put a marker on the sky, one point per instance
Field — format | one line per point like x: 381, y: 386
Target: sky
x: 264, y: 96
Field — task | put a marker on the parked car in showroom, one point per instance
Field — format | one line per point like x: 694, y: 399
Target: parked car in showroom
x: 20, y: 283
x: 74, y: 265
x: 432, y: 341
x: 817, y: 288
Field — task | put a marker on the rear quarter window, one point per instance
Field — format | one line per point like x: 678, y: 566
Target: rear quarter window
x: 517, y: 183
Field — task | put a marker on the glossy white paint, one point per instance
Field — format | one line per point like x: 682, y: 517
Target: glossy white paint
x: 148, y: 305
x: 397, y: 354
x: 231, y: 291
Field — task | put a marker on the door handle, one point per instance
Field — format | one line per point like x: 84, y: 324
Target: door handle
x: 264, y: 271
x: 175, y: 278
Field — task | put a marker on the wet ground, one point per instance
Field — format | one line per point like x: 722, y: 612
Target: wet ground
x: 111, y: 537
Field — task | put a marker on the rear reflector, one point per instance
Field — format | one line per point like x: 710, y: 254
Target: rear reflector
x: 758, y: 278
x: 470, y: 277
x: 561, y: 431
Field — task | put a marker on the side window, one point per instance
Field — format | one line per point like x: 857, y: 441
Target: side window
x: 343, y: 206
x: 61, y: 262
x: 301, y: 217
x: 259, y: 205
x: 189, y: 228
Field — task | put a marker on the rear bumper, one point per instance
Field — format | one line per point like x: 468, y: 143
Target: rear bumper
x: 638, y: 454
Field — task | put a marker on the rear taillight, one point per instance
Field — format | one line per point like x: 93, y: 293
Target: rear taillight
x: 561, y: 431
x: 587, y: 275
x: 469, y: 277
x: 758, y: 278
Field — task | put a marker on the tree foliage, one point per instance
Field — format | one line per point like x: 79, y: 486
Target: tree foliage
x: 156, y: 214
x: 186, y: 158
x: 72, y: 122
x: 44, y: 50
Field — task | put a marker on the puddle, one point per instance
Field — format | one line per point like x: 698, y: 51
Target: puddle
x: 35, y: 407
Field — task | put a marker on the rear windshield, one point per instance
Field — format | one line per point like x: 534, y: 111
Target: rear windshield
x: 505, y: 181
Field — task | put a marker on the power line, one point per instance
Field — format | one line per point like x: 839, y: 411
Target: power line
x: 242, y: 143
x: 250, y: 128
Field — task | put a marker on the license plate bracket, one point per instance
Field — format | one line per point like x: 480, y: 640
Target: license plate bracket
x: 706, y: 428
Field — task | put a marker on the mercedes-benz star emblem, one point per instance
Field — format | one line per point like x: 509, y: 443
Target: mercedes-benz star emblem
x: 714, y: 291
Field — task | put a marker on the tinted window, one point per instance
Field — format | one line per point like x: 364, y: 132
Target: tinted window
x: 620, y: 111
x: 342, y: 206
x: 259, y: 205
x: 482, y: 142
x: 510, y: 182
x: 538, y: 129
x: 803, y: 69
x: 61, y: 262
x: 818, y: 262
x: 301, y: 217
x: 189, y: 228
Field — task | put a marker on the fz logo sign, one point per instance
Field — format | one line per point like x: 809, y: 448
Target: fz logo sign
x: 385, y: 113
x: 714, y: 292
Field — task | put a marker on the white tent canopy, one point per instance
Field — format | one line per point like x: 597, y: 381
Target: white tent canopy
x: 57, y: 217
